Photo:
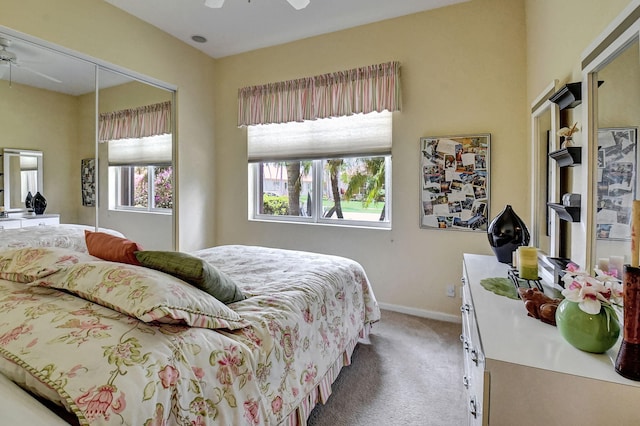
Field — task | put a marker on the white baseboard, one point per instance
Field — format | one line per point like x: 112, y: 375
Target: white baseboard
x: 421, y: 313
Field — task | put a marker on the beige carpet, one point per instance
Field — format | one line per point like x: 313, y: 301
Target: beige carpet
x: 409, y: 373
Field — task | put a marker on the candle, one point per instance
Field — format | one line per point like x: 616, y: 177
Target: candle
x: 528, y: 263
x: 615, y: 265
x: 635, y: 230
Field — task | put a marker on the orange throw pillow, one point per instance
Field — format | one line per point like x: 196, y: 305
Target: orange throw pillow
x: 112, y: 248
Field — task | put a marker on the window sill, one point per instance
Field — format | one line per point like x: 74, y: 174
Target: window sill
x: 347, y: 224
x: 138, y: 211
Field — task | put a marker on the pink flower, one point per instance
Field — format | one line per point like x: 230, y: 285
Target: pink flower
x: 98, y: 404
x: 15, y: 334
x: 198, y: 372
x: 169, y: 376
x: 276, y: 404
x: 228, y: 366
x: 307, y: 315
x: 251, y: 412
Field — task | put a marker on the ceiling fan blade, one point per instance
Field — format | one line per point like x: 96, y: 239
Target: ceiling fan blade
x: 214, y: 4
x: 55, y: 80
x: 299, y: 4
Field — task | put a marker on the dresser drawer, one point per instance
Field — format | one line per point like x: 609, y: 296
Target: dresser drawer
x: 474, y: 360
x: 10, y: 224
x: 40, y: 221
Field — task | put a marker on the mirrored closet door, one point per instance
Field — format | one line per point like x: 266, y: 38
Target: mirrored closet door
x: 51, y: 101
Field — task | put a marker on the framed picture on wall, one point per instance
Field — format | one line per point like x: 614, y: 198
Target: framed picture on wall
x: 88, y: 182
x: 454, y: 182
x: 617, y: 181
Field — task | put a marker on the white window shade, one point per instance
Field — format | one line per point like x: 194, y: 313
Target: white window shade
x: 28, y: 163
x: 354, y: 135
x: 148, y: 151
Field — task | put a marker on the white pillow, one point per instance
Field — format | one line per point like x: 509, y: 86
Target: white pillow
x: 143, y: 293
x: 25, y: 265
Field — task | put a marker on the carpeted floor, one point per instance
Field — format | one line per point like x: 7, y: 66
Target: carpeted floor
x: 409, y: 373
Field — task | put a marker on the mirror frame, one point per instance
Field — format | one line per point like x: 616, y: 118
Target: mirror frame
x: 540, y: 106
x: 623, y: 31
x: 12, y: 152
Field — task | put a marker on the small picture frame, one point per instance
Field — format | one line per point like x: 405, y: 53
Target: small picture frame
x: 88, y: 182
x: 454, y: 182
x: 617, y: 182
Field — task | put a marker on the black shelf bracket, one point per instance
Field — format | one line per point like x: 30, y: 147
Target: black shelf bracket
x: 568, y: 213
x: 567, y: 157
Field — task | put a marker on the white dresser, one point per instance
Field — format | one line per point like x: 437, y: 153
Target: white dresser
x: 520, y: 371
x: 29, y: 220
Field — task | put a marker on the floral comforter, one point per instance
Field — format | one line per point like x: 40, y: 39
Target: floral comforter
x: 305, y: 313
x: 66, y: 235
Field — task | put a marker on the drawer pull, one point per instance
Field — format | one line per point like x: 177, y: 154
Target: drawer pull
x: 473, y: 408
x: 465, y: 343
x: 474, y: 356
x: 465, y: 308
x: 465, y: 382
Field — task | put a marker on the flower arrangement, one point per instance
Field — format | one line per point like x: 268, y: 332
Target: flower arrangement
x: 567, y: 132
x: 592, y: 293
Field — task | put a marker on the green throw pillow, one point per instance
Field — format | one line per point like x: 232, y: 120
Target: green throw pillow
x: 193, y: 270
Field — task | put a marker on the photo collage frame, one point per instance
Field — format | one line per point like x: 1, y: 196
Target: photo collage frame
x: 454, y: 182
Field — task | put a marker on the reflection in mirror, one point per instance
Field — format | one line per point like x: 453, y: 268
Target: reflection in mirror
x: 46, y: 102
x: 618, y: 116
x: 136, y: 162
x: 22, y: 175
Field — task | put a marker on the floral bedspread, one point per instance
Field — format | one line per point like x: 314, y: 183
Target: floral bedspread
x: 306, y: 312
x: 69, y: 236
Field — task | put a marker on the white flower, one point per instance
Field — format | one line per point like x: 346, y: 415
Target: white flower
x: 591, y: 293
x: 568, y: 131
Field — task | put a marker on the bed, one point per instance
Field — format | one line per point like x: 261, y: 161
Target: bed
x: 88, y: 335
x: 63, y: 235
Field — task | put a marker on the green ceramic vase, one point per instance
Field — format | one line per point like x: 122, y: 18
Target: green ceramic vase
x: 587, y: 332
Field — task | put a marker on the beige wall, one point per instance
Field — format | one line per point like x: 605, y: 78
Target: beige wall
x: 97, y: 29
x: 558, y: 32
x: 463, y: 71
x: 46, y: 121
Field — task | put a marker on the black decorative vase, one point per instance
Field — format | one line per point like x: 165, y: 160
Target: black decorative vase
x: 39, y: 203
x: 28, y: 202
x: 506, y: 233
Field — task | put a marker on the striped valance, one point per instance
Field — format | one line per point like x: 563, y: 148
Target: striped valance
x: 149, y: 120
x: 359, y: 90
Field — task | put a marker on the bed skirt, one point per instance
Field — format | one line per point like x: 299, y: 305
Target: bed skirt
x: 322, y: 391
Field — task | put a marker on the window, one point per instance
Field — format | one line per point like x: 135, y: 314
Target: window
x: 141, y: 174
x: 342, y: 173
x: 142, y: 187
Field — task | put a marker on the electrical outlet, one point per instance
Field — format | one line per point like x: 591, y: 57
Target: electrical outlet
x: 451, y: 290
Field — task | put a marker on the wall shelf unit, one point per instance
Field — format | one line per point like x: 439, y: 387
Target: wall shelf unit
x: 567, y: 157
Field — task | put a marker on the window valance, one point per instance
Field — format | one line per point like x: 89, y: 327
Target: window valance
x: 148, y: 120
x: 359, y: 90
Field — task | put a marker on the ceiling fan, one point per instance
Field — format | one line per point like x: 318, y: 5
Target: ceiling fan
x: 10, y: 59
x: 297, y: 4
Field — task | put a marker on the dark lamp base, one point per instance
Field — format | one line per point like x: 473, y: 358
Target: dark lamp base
x: 628, y: 361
